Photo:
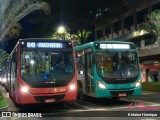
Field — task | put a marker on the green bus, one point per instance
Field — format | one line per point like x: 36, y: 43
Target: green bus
x: 108, y: 69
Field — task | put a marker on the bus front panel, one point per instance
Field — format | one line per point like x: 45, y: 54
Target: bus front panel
x: 117, y: 74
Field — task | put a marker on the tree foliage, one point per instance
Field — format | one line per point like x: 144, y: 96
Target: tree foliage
x: 83, y: 34
x: 4, y: 56
x: 11, y: 11
x: 67, y: 36
x: 152, y: 24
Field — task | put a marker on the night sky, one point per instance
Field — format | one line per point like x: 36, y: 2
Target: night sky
x: 72, y: 14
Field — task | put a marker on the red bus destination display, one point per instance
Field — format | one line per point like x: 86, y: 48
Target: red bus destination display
x: 48, y: 45
x: 44, y: 45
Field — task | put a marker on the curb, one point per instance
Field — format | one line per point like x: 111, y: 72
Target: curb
x: 152, y: 88
x: 4, y: 109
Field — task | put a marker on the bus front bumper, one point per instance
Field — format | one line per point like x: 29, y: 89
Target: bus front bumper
x: 119, y: 93
x: 46, y: 98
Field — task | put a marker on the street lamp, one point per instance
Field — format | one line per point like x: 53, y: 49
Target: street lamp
x: 61, y: 29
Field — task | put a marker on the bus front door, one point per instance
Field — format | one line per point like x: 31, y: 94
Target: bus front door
x: 88, y: 74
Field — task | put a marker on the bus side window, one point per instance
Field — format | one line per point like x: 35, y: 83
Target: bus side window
x: 89, y: 63
x: 80, y: 60
x: 15, y: 62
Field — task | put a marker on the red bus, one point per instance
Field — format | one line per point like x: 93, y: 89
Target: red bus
x: 42, y: 71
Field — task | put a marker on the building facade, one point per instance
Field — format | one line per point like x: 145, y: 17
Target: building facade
x: 126, y: 28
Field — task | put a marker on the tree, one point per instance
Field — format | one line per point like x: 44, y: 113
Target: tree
x: 4, y: 56
x: 11, y: 11
x: 83, y: 34
x: 66, y: 36
x: 152, y: 24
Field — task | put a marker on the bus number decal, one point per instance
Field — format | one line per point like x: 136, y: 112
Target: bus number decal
x: 31, y: 45
x: 103, y: 46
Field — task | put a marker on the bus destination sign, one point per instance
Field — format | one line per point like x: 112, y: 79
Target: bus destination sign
x: 114, y: 46
x: 42, y: 45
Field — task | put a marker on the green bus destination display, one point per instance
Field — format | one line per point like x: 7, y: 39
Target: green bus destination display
x: 42, y: 45
x: 114, y: 46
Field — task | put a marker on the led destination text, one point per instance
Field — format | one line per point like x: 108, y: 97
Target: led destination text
x: 114, y: 46
x: 44, y: 45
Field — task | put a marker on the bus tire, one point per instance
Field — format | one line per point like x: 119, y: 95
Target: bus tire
x: 6, y: 88
x: 19, y: 106
x: 10, y: 96
x: 80, y: 95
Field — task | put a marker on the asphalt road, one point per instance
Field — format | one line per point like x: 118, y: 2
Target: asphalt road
x: 144, y: 107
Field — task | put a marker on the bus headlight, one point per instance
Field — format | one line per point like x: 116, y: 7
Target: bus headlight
x: 4, y: 80
x: 72, y: 86
x: 101, y: 85
x: 138, y: 84
x: 24, y: 89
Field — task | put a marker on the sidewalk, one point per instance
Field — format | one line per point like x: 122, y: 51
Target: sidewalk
x: 154, y: 87
x: 3, y: 103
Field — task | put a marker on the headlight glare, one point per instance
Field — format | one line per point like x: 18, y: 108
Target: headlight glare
x: 24, y: 89
x: 101, y: 85
x: 72, y: 86
x: 137, y: 84
x: 4, y: 80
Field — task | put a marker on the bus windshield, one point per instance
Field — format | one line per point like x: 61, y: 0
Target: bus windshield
x: 117, y: 64
x: 47, y: 66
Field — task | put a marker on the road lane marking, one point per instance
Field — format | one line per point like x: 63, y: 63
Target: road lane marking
x: 150, y: 92
x: 147, y: 102
x: 94, y: 105
x: 96, y: 109
x: 140, y: 101
x: 81, y: 105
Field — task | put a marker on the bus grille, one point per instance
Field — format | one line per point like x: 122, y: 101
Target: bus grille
x: 115, y: 93
x: 43, y: 98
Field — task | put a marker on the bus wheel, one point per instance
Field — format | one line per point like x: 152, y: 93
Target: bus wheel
x: 6, y: 89
x: 80, y: 95
x: 21, y: 107
x: 9, y: 94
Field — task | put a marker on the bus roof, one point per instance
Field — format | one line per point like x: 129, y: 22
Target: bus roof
x: 43, y: 39
x: 90, y: 44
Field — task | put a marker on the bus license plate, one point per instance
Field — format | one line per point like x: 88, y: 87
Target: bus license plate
x: 122, y: 94
x: 49, y: 100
